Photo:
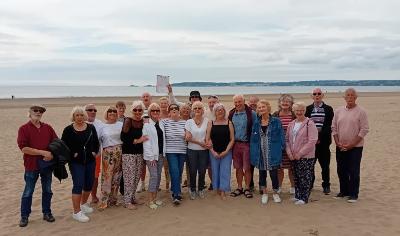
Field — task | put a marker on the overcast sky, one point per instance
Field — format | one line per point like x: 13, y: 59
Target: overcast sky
x: 124, y: 42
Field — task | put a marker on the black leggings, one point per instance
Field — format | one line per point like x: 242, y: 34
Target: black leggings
x: 273, y: 174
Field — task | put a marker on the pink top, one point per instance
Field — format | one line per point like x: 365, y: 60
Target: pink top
x: 304, y: 144
x: 350, y: 123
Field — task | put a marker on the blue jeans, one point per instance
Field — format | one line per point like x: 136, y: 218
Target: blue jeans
x: 221, y: 172
x: 82, y: 176
x: 30, y: 178
x: 175, y: 163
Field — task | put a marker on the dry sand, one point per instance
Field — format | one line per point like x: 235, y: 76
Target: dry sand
x: 376, y: 213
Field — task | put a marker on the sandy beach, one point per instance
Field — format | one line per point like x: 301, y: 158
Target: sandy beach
x: 376, y: 212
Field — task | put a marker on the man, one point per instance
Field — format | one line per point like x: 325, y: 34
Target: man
x: 253, y: 100
x: 121, y: 107
x: 349, y: 128
x: 242, y: 118
x: 33, y: 139
x: 146, y: 99
x: 322, y: 115
x: 91, y: 112
x: 212, y: 100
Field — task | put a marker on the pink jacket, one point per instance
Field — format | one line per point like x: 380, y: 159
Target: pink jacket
x: 304, y: 144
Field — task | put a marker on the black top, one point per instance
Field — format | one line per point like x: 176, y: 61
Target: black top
x: 264, y: 128
x: 82, y: 144
x: 325, y: 135
x: 131, y: 130
x: 220, y: 137
x: 160, y: 138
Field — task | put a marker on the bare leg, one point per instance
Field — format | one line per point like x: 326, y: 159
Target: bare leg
x: 95, y: 199
x: 84, y: 198
x: 247, y: 178
x: 76, y: 202
x: 239, y: 178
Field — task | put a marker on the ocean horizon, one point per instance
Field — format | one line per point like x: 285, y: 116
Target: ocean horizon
x: 6, y: 92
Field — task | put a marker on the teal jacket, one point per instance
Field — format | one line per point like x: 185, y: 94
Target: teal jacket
x: 276, y: 143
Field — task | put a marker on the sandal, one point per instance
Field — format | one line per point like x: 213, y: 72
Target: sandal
x: 152, y: 205
x: 248, y: 194
x: 131, y: 206
x: 237, y: 192
x: 102, y: 206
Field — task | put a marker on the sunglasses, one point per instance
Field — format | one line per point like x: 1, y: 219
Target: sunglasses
x: 38, y: 110
x: 315, y: 94
x: 155, y: 111
x: 91, y: 110
x: 174, y: 108
x: 111, y: 111
x: 137, y: 110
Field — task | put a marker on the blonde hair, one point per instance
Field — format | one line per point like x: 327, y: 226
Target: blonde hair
x: 78, y: 110
x: 163, y: 98
x: 106, y: 111
x: 266, y: 103
x: 137, y: 103
x: 153, y: 106
x: 197, y: 104
x: 298, y: 105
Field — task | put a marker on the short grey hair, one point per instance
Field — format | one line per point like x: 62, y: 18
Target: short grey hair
x: 298, y: 105
x: 218, y: 106
x: 351, y: 90
x: 284, y: 97
x: 78, y: 110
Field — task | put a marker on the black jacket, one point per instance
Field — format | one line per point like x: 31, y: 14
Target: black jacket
x: 325, y: 135
x: 60, y: 151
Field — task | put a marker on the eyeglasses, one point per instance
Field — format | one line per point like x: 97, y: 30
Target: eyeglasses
x: 38, y: 110
x: 91, y: 110
x: 213, y: 96
x: 315, y: 94
x: 155, y: 111
x: 137, y: 110
x: 197, y: 108
x: 174, y: 108
x: 111, y: 111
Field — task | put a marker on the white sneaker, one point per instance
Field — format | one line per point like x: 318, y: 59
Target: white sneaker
x: 141, y: 187
x: 264, y: 199
x: 80, y: 216
x: 293, y: 199
x: 192, y: 195
x: 86, y: 209
x: 159, y: 202
x: 279, y: 190
x: 292, y: 190
x: 202, y: 194
x: 276, y: 198
x: 299, y: 202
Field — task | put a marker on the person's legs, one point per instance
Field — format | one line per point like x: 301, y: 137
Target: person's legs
x: 95, y: 199
x: 117, y: 173
x: 166, y: 172
x: 251, y: 177
x: 308, y: 170
x: 246, y: 164
x: 78, y: 179
x: 181, y: 161
x: 89, y: 170
x: 341, y: 171
x: 137, y: 169
x: 160, y: 165
x: 273, y: 174
x: 173, y: 164
x: 324, y: 160
x: 296, y: 171
x: 106, y: 177
x: 202, y: 167
x: 225, y: 173
x: 46, y: 178
x: 354, y: 157
x: 30, y: 178
x: 152, y: 187
x: 215, y: 166
x: 238, y: 164
x: 317, y: 154
x: 262, y: 180
x: 127, y: 172
x: 192, y: 162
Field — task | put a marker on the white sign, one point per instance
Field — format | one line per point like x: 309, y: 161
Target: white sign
x: 162, y: 83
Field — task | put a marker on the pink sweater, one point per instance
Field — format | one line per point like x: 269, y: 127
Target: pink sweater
x: 350, y: 123
x: 304, y: 144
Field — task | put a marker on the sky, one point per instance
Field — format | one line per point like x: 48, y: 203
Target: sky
x: 124, y: 42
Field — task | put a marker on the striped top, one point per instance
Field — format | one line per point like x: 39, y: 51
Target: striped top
x: 174, y: 136
x: 318, y: 116
x: 285, y: 120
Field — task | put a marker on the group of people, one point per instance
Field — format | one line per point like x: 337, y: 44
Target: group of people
x: 209, y: 138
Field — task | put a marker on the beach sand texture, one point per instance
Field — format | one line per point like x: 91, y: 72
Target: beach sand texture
x: 376, y: 213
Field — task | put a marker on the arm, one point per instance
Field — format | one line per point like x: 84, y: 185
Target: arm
x: 172, y: 99
x: 147, y: 145
x: 311, y: 139
x: 95, y: 141
x: 364, y: 128
x: 287, y: 143
x: 231, y: 140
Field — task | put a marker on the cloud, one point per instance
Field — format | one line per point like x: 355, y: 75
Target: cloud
x: 73, y: 41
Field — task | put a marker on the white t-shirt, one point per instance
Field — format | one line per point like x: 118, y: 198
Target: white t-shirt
x: 198, y: 133
x: 296, y: 129
x: 111, y: 134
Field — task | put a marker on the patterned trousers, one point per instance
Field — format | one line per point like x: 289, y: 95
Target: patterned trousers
x: 155, y: 174
x: 303, y: 176
x: 131, y: 170
x: 111, y: 174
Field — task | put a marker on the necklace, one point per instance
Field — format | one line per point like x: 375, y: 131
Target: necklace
x: 198, y: 122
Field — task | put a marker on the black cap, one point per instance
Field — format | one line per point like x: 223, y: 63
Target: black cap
x: 195, y: 93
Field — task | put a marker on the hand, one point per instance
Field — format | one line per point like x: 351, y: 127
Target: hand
x: 346, y: 147
x: 188, y: 137
x: 214, y: 153
x: 94, y: 154
x: 47, y: 156
x: 153, y: 163
x: 143, y: 138
x: 208, y: 145
x: 75, y: 155
x: 169, y: 88
x: 222, y: 154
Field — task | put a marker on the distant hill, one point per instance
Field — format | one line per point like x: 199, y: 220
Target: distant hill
x: 296, y: 83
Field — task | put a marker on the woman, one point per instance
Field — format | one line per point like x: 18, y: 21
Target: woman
x: 266, y: 145
x: 175, y: 149
x: 184, y: 112
x: 301, y: 137
x: 220, y: 133
x: 153, y: 153
x: 197, y: 153
x: 164, y: 103
x: 111, y: 158
x: 81, y: 138
x: 286, y: 116
x: 132, y: 153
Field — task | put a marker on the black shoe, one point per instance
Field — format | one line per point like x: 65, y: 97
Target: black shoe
x: 327, y: 190
x: 210, y: 188
x: 49, y: 217
x: 179, y: 197
x: 340, y: 196
x: 23, y: 222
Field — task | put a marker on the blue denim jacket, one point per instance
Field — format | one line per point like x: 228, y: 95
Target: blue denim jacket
x: 276, y: 142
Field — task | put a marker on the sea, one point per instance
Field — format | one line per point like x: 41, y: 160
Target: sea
x: 6, y: 92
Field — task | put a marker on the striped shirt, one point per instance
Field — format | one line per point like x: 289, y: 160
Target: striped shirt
x: 285, y: 120
x: 174, y: 136
x: 318, y: 116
